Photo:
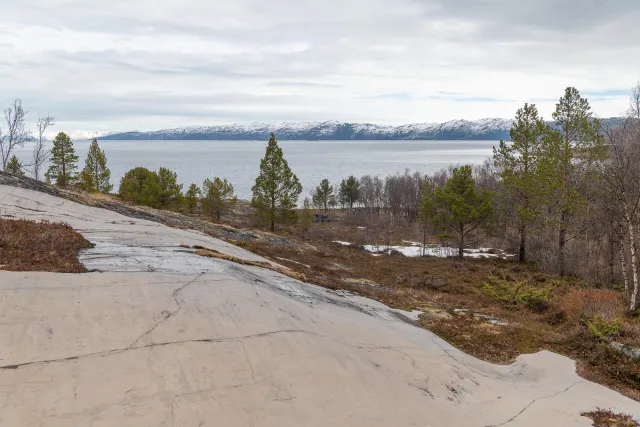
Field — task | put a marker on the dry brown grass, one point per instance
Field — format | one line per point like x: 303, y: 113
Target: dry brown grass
x: 590, y: 303
x: 40, y: 246
x: 212, y: 253
x: 607, y: 418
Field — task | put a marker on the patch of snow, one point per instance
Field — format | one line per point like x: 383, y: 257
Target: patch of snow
x: 295, y: 262
x: 491, y: 319
x: 415, y: 249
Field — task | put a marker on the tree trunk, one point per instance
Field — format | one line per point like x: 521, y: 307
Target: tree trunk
x: 461, y: 246
x: 273, y: 213
x: 612, y: 257
x: 625, y: 274
x: 634, y: 268
x: 562, y: 240
x: 424, y: 239
x: 523, y: 244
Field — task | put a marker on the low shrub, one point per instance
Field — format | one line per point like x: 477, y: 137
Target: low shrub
x: 589, y: 303
x: 521, y: 293
x: 556, y: 317
x: 602, y: 328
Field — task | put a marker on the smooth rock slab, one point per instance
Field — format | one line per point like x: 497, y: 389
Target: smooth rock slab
x: 194, y: 341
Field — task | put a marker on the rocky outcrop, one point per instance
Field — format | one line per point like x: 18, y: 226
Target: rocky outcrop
x: 160, y: 336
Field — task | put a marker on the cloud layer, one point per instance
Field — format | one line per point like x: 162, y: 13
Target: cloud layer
x: 151, y: 64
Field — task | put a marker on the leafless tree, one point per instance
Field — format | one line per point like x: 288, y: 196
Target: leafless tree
x: 621, y: 177
x: 15, y: 136
x: 40, y: 153
x: 634, y: 103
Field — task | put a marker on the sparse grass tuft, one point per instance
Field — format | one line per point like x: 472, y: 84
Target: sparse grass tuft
x: 40, y: 246
x: 608, y: 418
x: 212, y: 253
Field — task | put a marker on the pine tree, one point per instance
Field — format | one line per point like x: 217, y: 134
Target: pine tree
x: 518, y: 165
x: 306, y: 216
x: 425, y: 208
x: 276, y: 190
x: 96, y: 175
x: 458, y: 207
x: 140, y: 186
x: 572, y: 148
x: 170, y: 194
x: 14, y: 166
x: 63, y: 162
x: 191, y: 197
x: 324, y: 195
x: 218, y: 197
x: 350, y: 191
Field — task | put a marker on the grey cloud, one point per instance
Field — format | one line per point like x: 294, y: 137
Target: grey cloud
x: 562, y: 16
x: 354, y: 50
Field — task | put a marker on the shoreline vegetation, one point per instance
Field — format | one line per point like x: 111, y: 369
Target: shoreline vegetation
x: 565, y: 200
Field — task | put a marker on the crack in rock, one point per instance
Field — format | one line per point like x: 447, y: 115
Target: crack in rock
x: 532, y: 402
x: 203, y: 340
x: 167, y: 315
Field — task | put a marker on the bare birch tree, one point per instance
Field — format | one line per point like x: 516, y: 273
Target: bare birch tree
x: 15, y: 135
x: 634, y: 103
x: 40, y: 153
x: 621, y: 176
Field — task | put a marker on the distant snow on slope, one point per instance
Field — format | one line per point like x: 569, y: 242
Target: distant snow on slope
x: 76, y: 134
x: 488, y: 129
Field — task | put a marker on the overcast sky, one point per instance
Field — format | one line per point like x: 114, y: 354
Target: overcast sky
x: 152, y: 64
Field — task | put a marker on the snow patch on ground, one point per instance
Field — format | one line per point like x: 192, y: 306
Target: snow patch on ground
x: 295, y: 262
x: 415, y: 249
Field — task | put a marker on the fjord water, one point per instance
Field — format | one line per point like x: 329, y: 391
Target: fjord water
x: 311, y: 161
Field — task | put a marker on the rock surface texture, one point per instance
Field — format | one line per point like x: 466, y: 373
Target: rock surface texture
x: 158, y: 336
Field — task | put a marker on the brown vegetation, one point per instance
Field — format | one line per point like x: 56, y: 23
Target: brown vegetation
x: 40, y: 246
x: 490, y: 308
x: 607, y: 418
x: 212, y: 253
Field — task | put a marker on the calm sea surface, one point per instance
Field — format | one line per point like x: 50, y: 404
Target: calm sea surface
x: 311, y: 161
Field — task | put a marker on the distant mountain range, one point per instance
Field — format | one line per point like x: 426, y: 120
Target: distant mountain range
x: 483, y: 129
x: 76, y: 134
x: 488, y: 129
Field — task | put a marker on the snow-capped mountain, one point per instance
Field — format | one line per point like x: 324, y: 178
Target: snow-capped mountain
x: 76, y: 134
x: 487, y: 129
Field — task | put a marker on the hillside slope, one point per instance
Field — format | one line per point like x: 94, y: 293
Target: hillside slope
x: 158, y: 335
